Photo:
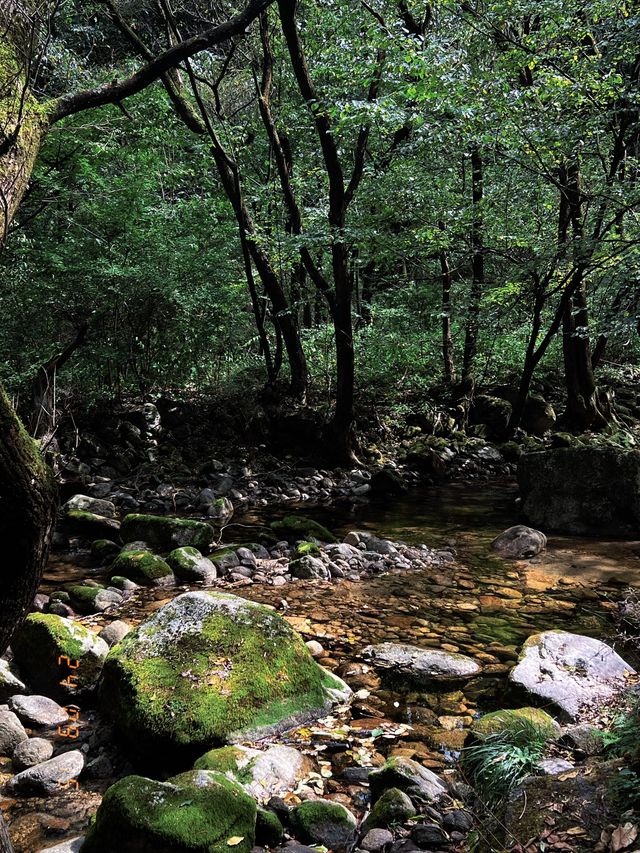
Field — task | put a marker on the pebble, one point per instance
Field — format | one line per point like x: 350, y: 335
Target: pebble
x: 30, y: 752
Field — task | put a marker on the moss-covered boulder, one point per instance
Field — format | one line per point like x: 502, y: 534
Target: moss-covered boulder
x: 165, y: 534
x: 98, y: 506
x: 324, y: 822
x: 208, y: 668
x: 408, y: 776
x: 300, y: 527
x: 393, y: 807
x: 263, y: 774
x: 104, y: 550
x: 46, y: 648
x: 83, y: 598
x: 142, y: 567
x: 269, y: 829
x: 188, y: 564
x: 517, y: 719
x: 196, y: 812
x: 88, y: 525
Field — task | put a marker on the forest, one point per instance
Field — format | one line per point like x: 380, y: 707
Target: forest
x: 319, y: 426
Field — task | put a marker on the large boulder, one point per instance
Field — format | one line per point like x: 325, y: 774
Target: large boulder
x: 83, y: 503
x: 325, y: 823
x: 164, y: 534
x: 142, y: 567
x: 570, y: 671
x: 519, y: 542
x: 582, y: 490
x: 50, y: 649
x: 209, y: 668
x: 263, y: 775
x: 419, y: 667
x: 50, y: 777
x: 197, y: 812
x: 10, y: 684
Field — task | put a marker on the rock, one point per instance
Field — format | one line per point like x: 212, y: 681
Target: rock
x: 188, y: 564
x: 582, y: 491
x: 408, y: 776
x: 50, y: 777
x: 91, y: 599
x: 208, y: 668
x: 221, y: 509
x: 429, y: 836
x: 72, y: 845
x: 419, y: 667
x: 309, y: 567
x: 38, y: 711
x: 584, y: 738
x: 300, y: 527
x: 538, y: 416
x: 114, y: 632
x: 493, y: 412
x: 88, y: 525
x: 315, y: 649
x: 104, y: 550
x: 11, y: 732
x: 225, y: 560
x: 519, y: 542
x: 569, y: 671
x: 514, y: 720
x: 143, y: 567
x: 43, y: 639
x: 457, y: 820
x: 553, y: 766
x: 263, y: 775
x: 10, y: 684
x: 424, y: 459
x: 30, y: 752
x: 165, y: 534
x: 83, y: 503
x: 324, y: 822
x: 394, y: 806
x: 196, y: 812
x: 376, y: 840
x: 269, y: 829
x: 387, y: 481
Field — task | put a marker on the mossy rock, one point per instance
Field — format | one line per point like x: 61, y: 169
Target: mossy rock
x: 143, y: 567
x: 269, y: 829
x: 196, y: 812
x: 164, y: 534
x: 515, y: 720
x: 323, y: 822
x: 307, y: 549
x: 83, y: 598
x: 104, y: 550
x: 188, y: 564
x: 209, y: 668
x: 43, y: 639
x: 301, y: 527
x: 407, y: 776
x: 393, y: 807
x: 88, y: 525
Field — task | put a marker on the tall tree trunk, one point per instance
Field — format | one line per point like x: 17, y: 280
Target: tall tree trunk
x: 448, y: 364
x: 477, y: 262
x: 341, y: 428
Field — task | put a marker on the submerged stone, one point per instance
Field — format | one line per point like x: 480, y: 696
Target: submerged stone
x: 419, y: 667
x: 209, y: 668
x: 301, y: 527
x: 519, y: 542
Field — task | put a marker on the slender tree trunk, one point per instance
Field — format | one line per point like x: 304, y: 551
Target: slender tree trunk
x: 341, y: 428
x: 477, y: 261
x: 447, y: 340
x: 43, y: 386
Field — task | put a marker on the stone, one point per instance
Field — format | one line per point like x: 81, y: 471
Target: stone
x: 189, y: 565
x: 376, y: 840
x: 457, y: 820
x: 582, y: 490
x: 263, y: 775
x: 38, y: 711
x: 84, y: 503
x: 584, y: 738
x: 392, y: 807
x: 30, y: 752
x: 570, y: 671
x: 46, y: 647
x: 89, y: 525
x: 114, y: 632
x: 324, y: 822
x: 165, y: 534
x: 72, y: 845
x: 492, y: 412
x: 301, y: 527
x: 308, y: 568
x: 408, y: 776
x: 195, y: 812
x: 50, y: 777
x: 428, y: 836
x: 387, y: 481
x: 519, y: 542
x: 87, y: 599
x: 553, y: 766
x: 221, y: 509
x: 419, y: 667
x: 208, y: 668
x: 514, y: 720
x: 143, y: 567
x: 11, y: 732
x: 104, y: 551
x: 10, y: 684
x: 315, y: 648
x: 269, y: 829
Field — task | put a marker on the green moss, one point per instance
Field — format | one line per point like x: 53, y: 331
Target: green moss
x: 191, y: 812
x: 322, y: 821
x: 83, y: 598
x: 506, y: 720
x: 310, y: 549
x: 225, y: 760
x: 244, y: 670
x: 141, y: 567
x: 165, y: 534
x: 269, y: 830
x: 393, y: 807
x: 303, y: 528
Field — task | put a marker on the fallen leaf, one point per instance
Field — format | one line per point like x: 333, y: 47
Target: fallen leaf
x: 234, y: 840
x: 623, y: 836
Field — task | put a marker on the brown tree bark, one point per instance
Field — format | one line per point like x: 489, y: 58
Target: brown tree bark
x: 448, y: 364
x: 477, y: 263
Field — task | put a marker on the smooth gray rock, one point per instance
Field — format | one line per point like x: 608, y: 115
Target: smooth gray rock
x: 38, y: 711
x: 408, y: 776
x: 31, y: 752
x: 570, y: 671
x: 376, y: 840
x: 114, y: 632
x: 309, y: 567
x: 11, y: 732
x: 49, y: 777
x: 84, y: 503
x: 72, y: 845
x: 554, y: 766
x: 10, y: 684
x: 519, y: 542
x: 419, y: 667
